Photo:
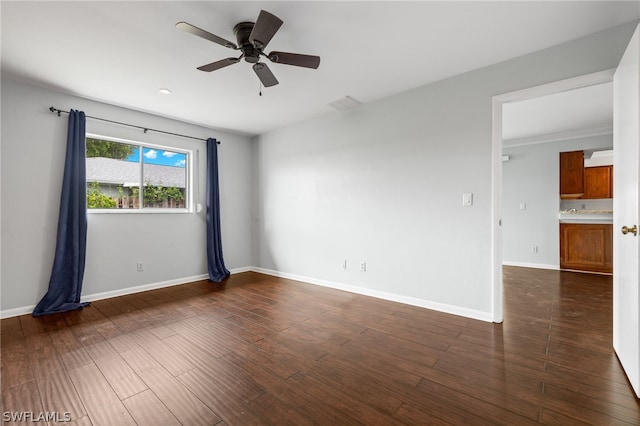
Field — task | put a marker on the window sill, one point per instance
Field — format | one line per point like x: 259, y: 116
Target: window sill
x: 140, y: 211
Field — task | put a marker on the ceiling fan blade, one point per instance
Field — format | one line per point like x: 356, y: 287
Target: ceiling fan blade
x: 264, y: 74
x: 297, y: 59
x: 219, y: 64
x: 184, y: 26
x: 264, y: 29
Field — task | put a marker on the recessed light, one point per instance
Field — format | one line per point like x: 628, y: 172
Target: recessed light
x: 165, y: 91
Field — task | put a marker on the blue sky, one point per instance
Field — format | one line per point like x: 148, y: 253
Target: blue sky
x: 159, y: 156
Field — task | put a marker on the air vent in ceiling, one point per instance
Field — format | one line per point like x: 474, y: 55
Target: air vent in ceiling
x: 345, y: 104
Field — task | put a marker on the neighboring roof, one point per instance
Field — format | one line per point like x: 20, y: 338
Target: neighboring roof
x: 127, y: 173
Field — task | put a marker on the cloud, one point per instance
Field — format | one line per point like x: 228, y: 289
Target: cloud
x: 181, y: 163
x: 151, y: 154
x: 169, y: 154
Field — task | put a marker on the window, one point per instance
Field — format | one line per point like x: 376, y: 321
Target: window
x: 124, y: 175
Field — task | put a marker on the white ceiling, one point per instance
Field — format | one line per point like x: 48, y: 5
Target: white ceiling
x: 123, y: 52
x: 588, y: 110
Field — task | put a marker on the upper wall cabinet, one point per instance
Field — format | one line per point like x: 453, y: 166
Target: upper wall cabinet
x: 598, y: 182
x: 578, y: 182
x: 571, y: 174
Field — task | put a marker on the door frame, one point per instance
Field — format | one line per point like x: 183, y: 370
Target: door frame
x: 497, y: 102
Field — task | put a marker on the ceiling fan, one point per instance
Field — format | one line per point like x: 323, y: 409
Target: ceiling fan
x: 252, y: 39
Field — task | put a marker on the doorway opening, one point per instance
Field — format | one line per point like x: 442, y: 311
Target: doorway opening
x: 498, y: 158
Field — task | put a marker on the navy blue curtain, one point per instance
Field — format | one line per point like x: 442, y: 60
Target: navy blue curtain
x: 215, y: 261
x: 65, y: 284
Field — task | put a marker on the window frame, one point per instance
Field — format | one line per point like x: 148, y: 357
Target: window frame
x: 189, y: 178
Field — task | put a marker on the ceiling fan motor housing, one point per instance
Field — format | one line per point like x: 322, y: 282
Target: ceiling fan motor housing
x: 242, y: 32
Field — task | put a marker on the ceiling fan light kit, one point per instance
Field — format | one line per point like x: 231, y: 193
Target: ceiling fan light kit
x: 252, y: 39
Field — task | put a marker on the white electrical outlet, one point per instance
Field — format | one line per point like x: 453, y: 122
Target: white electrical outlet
x: 363, y: 266
x: 140, y: 266
x: 534, y: 249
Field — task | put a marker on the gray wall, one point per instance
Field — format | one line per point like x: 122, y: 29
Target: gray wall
x: 384, y: 183
x: 532, y: 176
x: 172, y: 246
x: 381, y: 184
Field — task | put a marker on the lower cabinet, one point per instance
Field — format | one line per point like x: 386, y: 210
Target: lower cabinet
x: 586, y: 247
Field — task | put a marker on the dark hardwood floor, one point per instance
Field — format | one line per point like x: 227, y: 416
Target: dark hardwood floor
x: 263, y: 350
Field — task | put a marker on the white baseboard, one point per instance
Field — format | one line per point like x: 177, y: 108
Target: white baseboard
x: 532, y: 265
x: 16, y: 312
x: 141, y: 288
x: 8, y: 313
x: 407, y: 300
x: 240, y: 270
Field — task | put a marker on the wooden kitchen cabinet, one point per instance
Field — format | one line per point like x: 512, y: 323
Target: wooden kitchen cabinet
x: 586, y: 247
x: 571, y: 174
x: 598, y: 182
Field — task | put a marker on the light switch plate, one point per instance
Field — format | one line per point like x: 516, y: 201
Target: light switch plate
x: 467, y: 199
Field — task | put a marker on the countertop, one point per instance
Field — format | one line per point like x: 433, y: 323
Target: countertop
x: 586, y: 216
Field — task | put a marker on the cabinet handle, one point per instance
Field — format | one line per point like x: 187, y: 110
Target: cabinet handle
x: 633, y: 230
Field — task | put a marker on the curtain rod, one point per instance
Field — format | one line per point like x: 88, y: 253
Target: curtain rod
x: 145, y: 129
